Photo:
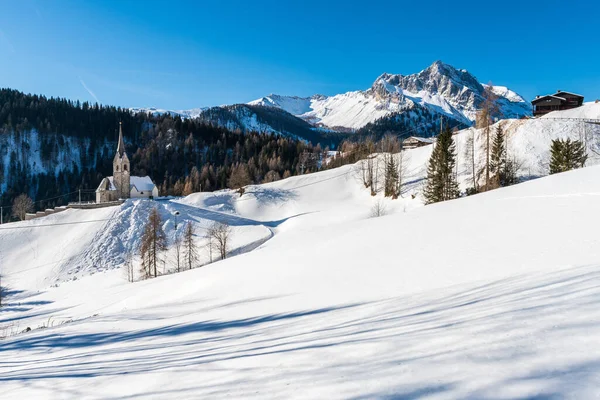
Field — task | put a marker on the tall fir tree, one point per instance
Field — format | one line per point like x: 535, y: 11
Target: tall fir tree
x: 441, y: 182
x: 391, y: 187
x: 498, y: 159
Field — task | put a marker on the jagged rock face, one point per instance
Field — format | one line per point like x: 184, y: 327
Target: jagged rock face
x: 458, y: 88
x: 441, y: 89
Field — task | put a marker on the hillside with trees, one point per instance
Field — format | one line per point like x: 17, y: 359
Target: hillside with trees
x: 50, y: 148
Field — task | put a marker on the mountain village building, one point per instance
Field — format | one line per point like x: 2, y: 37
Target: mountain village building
x: 122, y: 185
x: 557, y: 101
x: 415, y: 141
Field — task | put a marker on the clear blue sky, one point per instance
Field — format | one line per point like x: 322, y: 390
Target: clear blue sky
x: 184, y: 54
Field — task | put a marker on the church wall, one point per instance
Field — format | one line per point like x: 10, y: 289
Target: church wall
x: 140, y: 195
x: 106, y: 195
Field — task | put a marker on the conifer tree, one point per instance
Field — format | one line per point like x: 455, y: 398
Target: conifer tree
x: 441, y: 182
x: 566, y: 155
x: 391, y: 177
x: 498, y: 159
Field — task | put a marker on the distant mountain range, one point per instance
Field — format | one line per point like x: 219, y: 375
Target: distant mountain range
x: 400, y: 104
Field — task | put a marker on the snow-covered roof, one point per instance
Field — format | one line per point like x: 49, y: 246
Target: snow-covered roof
x: 142, y: 183
x: 547, y: 96
x: 420, y: 139
x: 571, y: 93
x: 106, y: 184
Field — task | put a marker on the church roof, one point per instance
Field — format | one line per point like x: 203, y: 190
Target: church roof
x: 106, y: 184
x: 142, y: 183
x: 121, y: 145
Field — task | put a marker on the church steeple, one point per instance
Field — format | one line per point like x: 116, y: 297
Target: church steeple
x: 121, y: 145
x: 121, y: 170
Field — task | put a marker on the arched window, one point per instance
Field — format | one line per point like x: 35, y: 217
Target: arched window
x: 117, y: 168
x: 125, y: 167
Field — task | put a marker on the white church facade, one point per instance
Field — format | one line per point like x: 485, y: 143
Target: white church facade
x: 122, y: 185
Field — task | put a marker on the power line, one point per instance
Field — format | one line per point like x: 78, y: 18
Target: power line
x: 56, y: 224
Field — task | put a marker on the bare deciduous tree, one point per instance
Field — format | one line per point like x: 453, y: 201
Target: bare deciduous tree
x: 402, y: 162
x: 470, y: 157
x: 128, y: 266
x: 239, y: 178
x: 21, y: 206
x: 378, y: 209
x: 154, y: 242
x: 219, y: 235
x: 189, y: 246
x: 489, y: 110
x: 177, y: 243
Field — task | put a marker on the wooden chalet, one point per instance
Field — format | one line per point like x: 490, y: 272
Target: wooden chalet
x: 416, y: 141
x: 557, y: 101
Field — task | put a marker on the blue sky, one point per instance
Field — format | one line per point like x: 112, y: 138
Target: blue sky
x: 180, y: 54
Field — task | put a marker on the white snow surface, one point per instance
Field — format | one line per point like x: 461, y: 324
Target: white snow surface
x: 589, y: 110
x: 490, y: 296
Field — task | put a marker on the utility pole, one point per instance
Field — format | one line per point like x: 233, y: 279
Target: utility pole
x: 79, y: 196
x: 1, y: 215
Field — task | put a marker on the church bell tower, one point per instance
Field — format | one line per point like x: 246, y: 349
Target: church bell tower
x: 121, y: 169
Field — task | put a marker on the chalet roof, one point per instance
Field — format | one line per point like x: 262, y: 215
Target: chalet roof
x: 572, y: 94
x: 556, y: 95
x: 547, y: 96
x: 420, y: 139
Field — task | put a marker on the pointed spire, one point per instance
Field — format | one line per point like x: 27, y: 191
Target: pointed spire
x: 121, y: 145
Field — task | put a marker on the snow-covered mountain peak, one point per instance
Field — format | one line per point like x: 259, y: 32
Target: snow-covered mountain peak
x: 441, y: 88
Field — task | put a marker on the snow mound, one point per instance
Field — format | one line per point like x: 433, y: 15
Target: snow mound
x: 590, y: 110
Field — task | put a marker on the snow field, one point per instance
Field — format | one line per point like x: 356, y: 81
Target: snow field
x: 490, y: 296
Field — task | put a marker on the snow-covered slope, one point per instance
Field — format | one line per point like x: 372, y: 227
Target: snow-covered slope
x: 441, y: 88
x: 590, y: 110
x: 489, y: 296
x: 252, y: 118
x: 480, y: 297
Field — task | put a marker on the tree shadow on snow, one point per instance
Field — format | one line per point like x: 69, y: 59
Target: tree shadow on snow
x: 404, y: 327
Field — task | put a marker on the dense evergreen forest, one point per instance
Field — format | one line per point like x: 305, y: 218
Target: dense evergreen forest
x: 51, y: 148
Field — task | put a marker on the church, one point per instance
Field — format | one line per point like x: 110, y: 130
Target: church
x: 122, y: 185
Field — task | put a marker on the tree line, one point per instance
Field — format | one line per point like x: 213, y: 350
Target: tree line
x: 154, y: 246
x: 73, y: 144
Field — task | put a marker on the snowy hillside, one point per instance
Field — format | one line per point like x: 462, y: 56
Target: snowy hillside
x: 336, y: 306
x: 493, y: 295
x: 30, y: 154
x: 253, y: 118
x: 440, y: 88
